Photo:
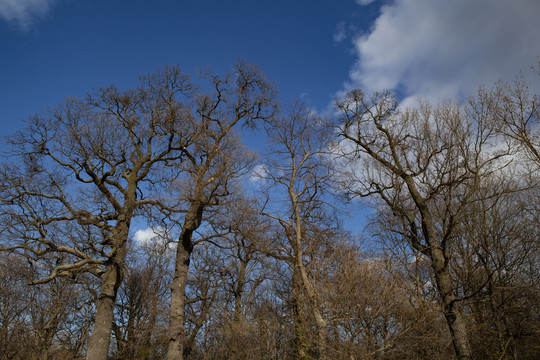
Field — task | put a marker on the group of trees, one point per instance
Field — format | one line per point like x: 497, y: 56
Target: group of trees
x: 249, y: 258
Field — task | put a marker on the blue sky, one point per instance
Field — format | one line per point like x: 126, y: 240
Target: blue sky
x: 50, y: 49
x: 69, y: 47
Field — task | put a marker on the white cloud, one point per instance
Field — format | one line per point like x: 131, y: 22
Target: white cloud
x: 24, y: 12
x: 446, y: 49
x: 259, y: 172
x: 150, y: 236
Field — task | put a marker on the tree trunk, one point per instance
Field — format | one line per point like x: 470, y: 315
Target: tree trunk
x: 454, y: 319
x: 439, y: 264
x: 178, y: 293
x: 99, y: 341
x: 306, y: 284
x: 314, y: 304
x: 178, y: 285
x: 321, y: 332
x: 238, y: 315
x: 300, y: 341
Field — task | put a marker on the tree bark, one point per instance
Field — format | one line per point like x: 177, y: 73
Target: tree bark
x: 308, y: 287
x: 300, y: 341
x: 178, y: 293
x: 454, y: 319
x: 238, y: 316
x: 439, y: 264
x: 178, y: 286
x: 319, y: 320
x: 99, y: 341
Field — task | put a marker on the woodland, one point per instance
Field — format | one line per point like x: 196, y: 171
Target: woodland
x: 249, y: 256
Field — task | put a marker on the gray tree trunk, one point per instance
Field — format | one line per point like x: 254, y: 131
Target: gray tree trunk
x: 177, y: 334
x: 300, y: 340
x: 178, y: 293
x: 306, y: 284
x: 439, y: 264
x: 99, y: 341
x: 456, y: 323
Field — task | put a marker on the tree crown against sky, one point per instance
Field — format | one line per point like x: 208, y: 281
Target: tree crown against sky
x: 69, y: 200
x: 318, y: 51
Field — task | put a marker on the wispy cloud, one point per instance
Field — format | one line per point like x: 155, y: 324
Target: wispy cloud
x: 258, y: 173
x: 24, y: 12
x: 339, y: 33
x: 364, y: 2
x: 446, y: 49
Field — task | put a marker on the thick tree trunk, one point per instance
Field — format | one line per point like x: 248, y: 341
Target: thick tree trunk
x: 445, y: 286
x: 321, y: 332
x: 98, y: 343
x: 454, y: 319
x: 177, y: 335
x: 458, y: 329
x: 238, y: 315
x: 178, y: 293
x: 237, y: 323
x: 319, y: 320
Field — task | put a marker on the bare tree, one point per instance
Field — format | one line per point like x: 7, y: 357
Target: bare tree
x: 243, y: 269
x: 426, y: 167
x: 298, y: 176
x: 140, y: 317
x: 498, y: 265
x: 34, y: 318
x: 517, y: 112
x: 14, y: 304
x: 213, y: 163
x: 80, y: 174
x: 376, y: 309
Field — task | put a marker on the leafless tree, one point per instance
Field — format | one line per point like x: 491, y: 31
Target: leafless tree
x: 517, y: 113
x: 213, y: 163
x: 83, y: 170
x: 243, y: 269
x: 140, y: 325
x: 498, y: 265
x: 376, y: 310
x: 425, y: 166
x: 35, y: 318
x: 298, y: 173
